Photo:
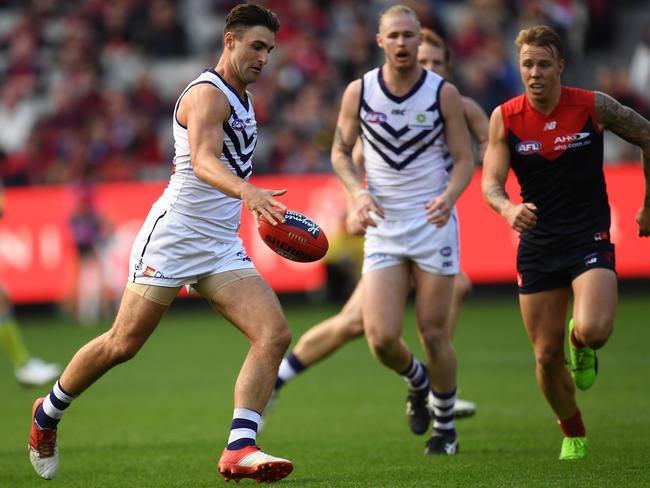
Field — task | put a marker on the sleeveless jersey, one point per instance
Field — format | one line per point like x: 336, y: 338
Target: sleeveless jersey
x: 194, y: 203
x: 558, y: 161
x: 406, y: 157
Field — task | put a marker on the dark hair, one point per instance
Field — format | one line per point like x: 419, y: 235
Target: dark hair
x: 433, y: 39
x: 541, y: 36
x: 247, y: 15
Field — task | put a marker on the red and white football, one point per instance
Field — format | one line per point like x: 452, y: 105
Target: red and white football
x: 299, y: 238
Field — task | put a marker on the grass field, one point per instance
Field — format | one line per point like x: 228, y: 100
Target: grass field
x: 162, y: 419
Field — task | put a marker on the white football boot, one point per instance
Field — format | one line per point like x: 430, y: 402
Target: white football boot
x: 36, y: 372
x: 43, y: 452
x: 252, y: 462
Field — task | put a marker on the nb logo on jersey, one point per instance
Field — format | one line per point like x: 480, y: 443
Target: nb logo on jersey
x: 398, y: 111
x: 550, y: 125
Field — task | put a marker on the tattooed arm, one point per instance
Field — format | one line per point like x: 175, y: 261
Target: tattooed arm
x: 629, y: 125
x: 345, y: 136
x: 496, y: 165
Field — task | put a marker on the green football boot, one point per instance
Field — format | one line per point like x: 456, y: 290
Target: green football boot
x: 583, y: 363
x: 573, y: 448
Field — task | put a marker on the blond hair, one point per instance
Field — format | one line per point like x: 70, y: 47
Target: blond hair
x: 397, y: 10
x: 540, y: 36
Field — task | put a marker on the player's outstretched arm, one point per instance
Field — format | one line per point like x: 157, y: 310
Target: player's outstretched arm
x: 460, y: 148
x: 204, y: 109
x: 629, y: 125
x: 345, y: 136
x: 496, y: 165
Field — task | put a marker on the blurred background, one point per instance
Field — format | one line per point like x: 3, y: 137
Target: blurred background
x: 88, y: 87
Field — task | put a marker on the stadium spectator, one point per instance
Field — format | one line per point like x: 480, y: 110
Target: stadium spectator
x: 165, y: 37
x: 414, y: 178
x: 195, y: 243
x: 89, y: 232
x: 47, y: 44
x: 18, y: 114
x: 564, y: 246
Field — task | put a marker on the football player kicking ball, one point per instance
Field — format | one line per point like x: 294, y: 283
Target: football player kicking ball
x: 552, y: 137
x: 325, y: 338
x: 190, y: 237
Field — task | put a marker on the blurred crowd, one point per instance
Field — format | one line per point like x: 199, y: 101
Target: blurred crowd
x: 88, y: 86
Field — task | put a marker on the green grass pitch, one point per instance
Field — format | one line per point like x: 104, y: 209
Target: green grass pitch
x: 162, y: 419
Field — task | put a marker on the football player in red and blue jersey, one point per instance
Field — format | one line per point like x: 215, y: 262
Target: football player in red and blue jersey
x: 552, y: 138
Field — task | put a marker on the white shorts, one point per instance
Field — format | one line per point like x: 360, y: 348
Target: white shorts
x: 434, y: 249
x: 168, y: 253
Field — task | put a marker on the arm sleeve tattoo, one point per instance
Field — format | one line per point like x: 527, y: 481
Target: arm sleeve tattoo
x: 342, y: 162
x: 629, y: 125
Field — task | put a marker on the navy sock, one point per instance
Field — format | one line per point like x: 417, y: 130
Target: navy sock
x: 416, y: 375
x: 290, y: 367
x: 243, y: 429
x: 443, y: 412
x: 49, y: 413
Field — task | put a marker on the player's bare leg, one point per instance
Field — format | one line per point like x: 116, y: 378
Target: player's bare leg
x: 462, y: 289
x: 329, y: 335
x: 544, y: 315
x: 432, y: 299
x: 590, y: 328
x: 384, y: 297
x: 137, y: 318
x: 319, y: 342
x: 595, y: 295
x: 261, y: 320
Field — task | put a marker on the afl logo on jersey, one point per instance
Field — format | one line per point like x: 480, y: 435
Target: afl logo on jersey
x: 375, y: 117
x: 528, y: 147
x: 238, y: 124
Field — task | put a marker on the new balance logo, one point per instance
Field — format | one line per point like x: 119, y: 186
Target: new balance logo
x: 550, y: 125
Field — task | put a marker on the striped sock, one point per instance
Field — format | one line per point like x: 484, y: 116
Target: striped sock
x: 416, y: 375
x: 443, y: 412
x: 49, y: 413
x: 243, y: 430
x: 290, y: 367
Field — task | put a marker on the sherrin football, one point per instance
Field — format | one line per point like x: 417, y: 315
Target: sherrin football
x: 299, y: 238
